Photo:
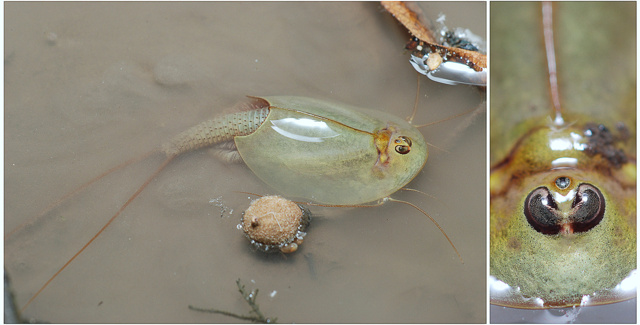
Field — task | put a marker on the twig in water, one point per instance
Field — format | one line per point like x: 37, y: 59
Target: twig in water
x: 255, y: 315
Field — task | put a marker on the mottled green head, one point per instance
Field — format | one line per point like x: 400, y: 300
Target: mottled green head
x: 563, y: 221
x: 402, y: 152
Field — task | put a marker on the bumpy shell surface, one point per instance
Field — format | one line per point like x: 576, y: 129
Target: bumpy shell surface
x: 273, y: 222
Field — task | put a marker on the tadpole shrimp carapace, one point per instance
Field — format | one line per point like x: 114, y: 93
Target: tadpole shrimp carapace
x: 563, y: 154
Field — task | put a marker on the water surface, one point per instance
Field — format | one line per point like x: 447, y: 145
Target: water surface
x: 90, y: 85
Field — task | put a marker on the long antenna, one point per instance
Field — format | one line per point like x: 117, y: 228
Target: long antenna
x: 547, y: 25
x: 415, y: 104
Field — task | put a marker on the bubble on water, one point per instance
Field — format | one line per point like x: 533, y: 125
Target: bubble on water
x: 225, y: 211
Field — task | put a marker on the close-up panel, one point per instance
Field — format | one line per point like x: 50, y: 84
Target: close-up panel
x: 131, y: 121
x: 563, y: 162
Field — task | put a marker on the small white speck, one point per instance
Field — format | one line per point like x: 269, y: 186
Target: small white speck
x: 52, y: 38
x: 273, y: 293
x: 256, y: 60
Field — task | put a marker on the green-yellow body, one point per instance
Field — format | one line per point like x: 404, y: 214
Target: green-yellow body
x: 327, y: 153
x: 595, y: 50
x: 316, y: 150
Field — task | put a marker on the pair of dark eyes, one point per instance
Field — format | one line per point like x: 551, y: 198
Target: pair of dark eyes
x: 587, y: 210
x: 403, y: 145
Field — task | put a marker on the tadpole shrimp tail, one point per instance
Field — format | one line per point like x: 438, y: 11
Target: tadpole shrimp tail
x: 76, y: 191
x: 221, y: 129
x: 140, y: 189
x: 217, y: 131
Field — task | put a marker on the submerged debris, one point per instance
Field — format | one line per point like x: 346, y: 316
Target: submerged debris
x: 11, y: 313
x: 255, y: 315
x: 458, y: 37
x: 603, y: 142
x: 446, y: 56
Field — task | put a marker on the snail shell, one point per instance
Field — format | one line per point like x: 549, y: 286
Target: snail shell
x: 273, y: 223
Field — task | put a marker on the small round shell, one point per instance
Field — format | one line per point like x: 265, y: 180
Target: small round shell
x: 273, y: 223
x: 434, y: 60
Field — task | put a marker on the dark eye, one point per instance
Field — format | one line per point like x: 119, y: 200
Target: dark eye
x: 587, y: 209
x: 403, y: 145
x: 542, y: 212
x: 563, y: 182
x: 403, y: 150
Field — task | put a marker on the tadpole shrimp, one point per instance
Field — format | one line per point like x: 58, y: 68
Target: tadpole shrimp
x: 133, y: 212
x: 352, y: 156
x: 563, y: 174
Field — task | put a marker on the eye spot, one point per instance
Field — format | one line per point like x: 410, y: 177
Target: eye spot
x: 563, y: 182
x: 403, y: 150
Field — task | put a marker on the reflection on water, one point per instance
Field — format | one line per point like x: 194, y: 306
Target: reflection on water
x: 622, y: 312
x: 90, y: 85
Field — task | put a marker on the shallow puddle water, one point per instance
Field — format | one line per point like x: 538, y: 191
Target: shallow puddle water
x: 91, y: 85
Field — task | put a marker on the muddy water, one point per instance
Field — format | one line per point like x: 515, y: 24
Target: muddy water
x: 90, y: 85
